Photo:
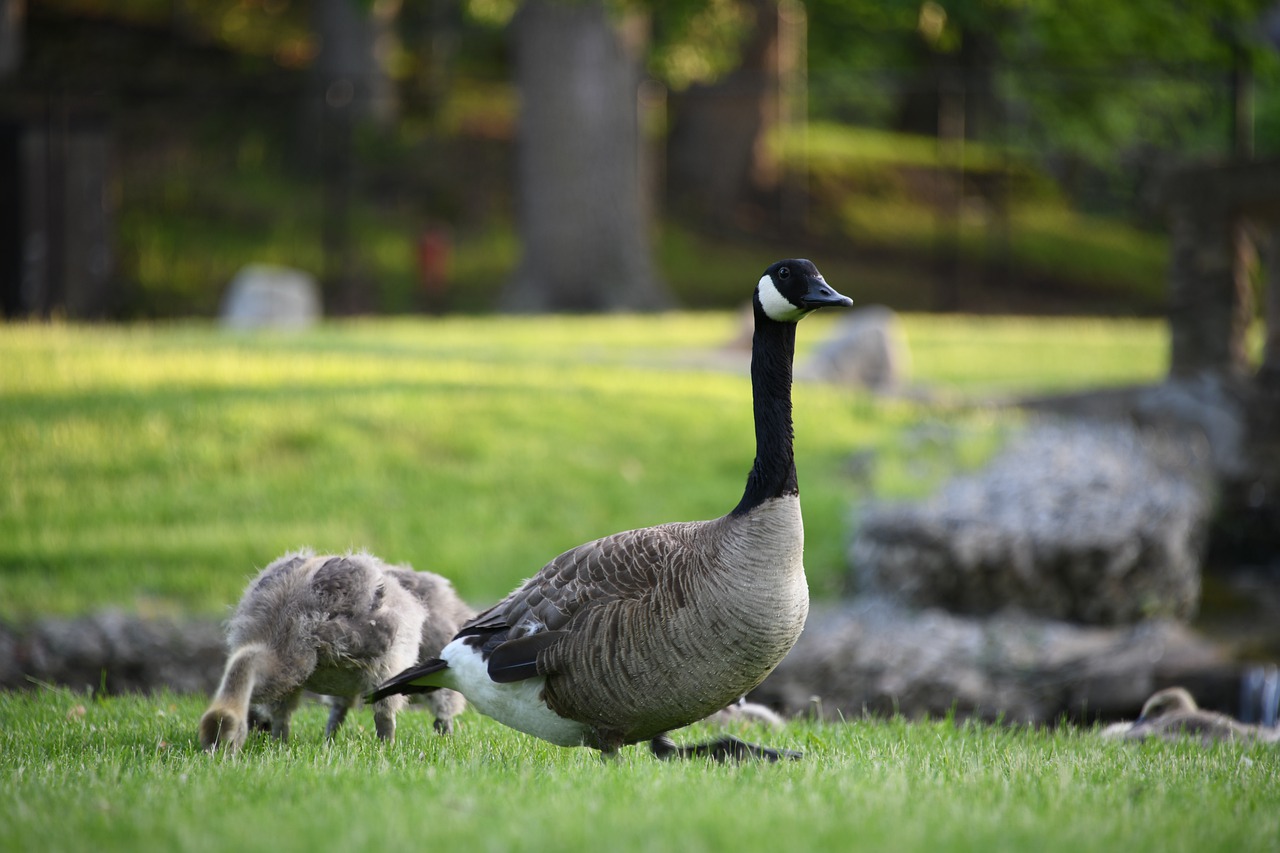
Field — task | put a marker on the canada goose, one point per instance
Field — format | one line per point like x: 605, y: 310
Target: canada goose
x: 626, y: 638
x: 336, y: 626
x: 1172, y: 713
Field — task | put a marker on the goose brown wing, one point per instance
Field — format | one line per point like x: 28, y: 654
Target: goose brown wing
x: 625, y: 567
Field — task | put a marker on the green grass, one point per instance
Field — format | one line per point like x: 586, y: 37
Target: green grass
x: 1023, y: 354
x: 155, y: 468
x: 126, y: 774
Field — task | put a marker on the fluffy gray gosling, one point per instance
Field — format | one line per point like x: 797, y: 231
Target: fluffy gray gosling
x: 337, y: 626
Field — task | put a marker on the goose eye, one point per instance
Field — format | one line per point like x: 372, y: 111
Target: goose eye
x: 785, y: 272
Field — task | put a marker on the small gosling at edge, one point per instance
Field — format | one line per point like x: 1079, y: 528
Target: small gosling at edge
x: 1172, y: 713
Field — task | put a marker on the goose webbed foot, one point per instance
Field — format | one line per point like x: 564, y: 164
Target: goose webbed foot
x: 721, y: 749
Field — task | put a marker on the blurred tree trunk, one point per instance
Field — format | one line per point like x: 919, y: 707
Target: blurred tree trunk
x: 350, y: 87
x: 716, y: 155
x: 584, y: 235
x: 11, y: 14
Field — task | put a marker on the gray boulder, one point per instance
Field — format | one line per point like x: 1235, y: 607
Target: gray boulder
x: 115, y: 653
x: 262, y: 296
x: 875, y: 656
x: 867, y: 348
x: 1082, y: 521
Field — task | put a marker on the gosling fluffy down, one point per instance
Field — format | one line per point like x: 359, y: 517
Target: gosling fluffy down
x: 337, y: 626
x: 1172, y: 714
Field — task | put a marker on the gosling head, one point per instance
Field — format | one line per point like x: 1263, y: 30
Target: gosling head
x: 1171, y: 700
x: 791, y: 289
x: 222, y: 729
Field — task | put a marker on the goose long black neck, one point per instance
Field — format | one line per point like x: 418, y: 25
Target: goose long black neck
x: 774, y: 472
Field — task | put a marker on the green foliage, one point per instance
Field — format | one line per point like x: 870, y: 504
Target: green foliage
x: 270, y: 28
x: 155, y: 468
x: 1088, y: 78
x: 878, y: 190
x: 206, y: 186
x: 186, y: 229
x: 698, y: 41
x: 126, y: 774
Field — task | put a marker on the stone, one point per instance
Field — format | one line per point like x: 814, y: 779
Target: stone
x: 867, y: 348
x: 1081, y: 521
x: 113, y: 652
x: 262, y: 296
x: 872, y: 655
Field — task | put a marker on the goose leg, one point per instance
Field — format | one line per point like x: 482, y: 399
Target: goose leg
x: 721, y: 749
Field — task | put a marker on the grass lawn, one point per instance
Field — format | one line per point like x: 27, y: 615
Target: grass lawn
x: 127, y: 774
x: 155, y: 468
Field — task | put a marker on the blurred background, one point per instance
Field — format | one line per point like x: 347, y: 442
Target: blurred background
x: 270, y: 162
x: 480, y: 155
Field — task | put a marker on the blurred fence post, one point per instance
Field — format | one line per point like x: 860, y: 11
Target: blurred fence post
x: 1203, y: 320
x: 12, y: 13
x: 950, y: 180
x: 793, y: 110
x: 56, y: 229
x: 1269, y: 372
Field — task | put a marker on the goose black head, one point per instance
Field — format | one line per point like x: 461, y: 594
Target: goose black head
x: 791, y: 289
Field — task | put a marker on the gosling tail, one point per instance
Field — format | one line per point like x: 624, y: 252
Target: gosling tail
x: 422, y: 678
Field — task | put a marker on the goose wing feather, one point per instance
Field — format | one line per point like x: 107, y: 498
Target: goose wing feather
x: 628, y: 569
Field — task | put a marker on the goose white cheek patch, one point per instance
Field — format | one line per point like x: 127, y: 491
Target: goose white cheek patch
x: 775, y: 305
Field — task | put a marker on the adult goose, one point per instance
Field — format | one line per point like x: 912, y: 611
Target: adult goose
x: 626, y: 638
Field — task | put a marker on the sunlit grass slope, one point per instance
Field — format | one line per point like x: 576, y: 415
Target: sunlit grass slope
x: 126, y: 774
x: 155, y: 468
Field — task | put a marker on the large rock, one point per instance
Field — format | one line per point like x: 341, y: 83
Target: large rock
x: 1089, y: 522
x: 262, y: 296
x: 115, y: 653
x: 872, y: 655
x: 1210, y: 408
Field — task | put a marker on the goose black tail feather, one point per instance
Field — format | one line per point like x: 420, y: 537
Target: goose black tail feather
x: 516, y: 660
x: 405, y: 681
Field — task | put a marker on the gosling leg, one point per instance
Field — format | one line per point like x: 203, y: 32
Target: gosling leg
x: 337, y: 713
x: 281, y: 711
x: 384, y: 716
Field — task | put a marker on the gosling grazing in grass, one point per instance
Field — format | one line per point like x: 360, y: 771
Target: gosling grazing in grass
x: 743, y: 712
x: 334, y: 625
x: 1172, y: 713
x: 626, y: 638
